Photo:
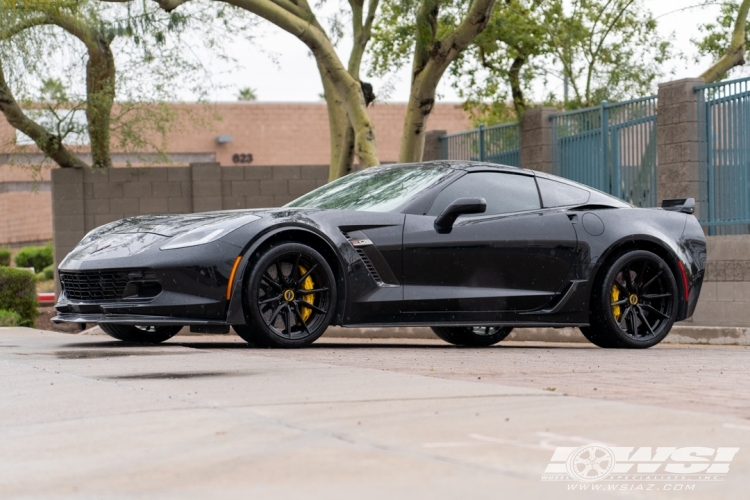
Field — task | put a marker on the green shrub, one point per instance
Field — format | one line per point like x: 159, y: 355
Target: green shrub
x: 36, y: 257
x: 9, y: 318
x: 18, y: 294
x: 48, y: 273
x: 4, y: 257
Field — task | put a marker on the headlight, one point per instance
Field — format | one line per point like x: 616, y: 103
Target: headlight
x: 206, y: 234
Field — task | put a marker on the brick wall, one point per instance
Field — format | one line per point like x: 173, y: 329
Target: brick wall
x: 25, y: 217
x: 274, y: 133
x: 725, y: 298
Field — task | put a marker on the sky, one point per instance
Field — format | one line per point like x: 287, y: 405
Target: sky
x: 280, y: 69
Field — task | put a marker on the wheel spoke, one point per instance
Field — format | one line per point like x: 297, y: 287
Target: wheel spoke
x: 301, y: 319
x: 275, y: 314
x: 304, y: 291
x: 295, y: 269
x: 628, y: 279
x: 634, y: 324
x: 621, y: 324
x: 270, y: 281
x: 288, y: 329
x: 651, y: 281
x: 312, y: 268
x: 266, y: 301
x: 643, y: 317
x: 642, y: 274
x: 313, y: 307
x: 622, y: 287
x: 656, y: 296
x: 279, y: 274
x: 619, y: 302
x: 655, y: 311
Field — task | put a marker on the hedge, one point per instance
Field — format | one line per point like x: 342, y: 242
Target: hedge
x: 48, y: 273
x: 18, y: 294
x: 4, y: 257
x: 9, y: 318
x: 36, y: 257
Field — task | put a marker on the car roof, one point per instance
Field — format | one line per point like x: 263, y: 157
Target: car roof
x: 472, y: 166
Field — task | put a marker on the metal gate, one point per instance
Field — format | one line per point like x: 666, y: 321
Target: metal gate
x: 496, y: 144
x: 724, y: 153
x: 611, y: 147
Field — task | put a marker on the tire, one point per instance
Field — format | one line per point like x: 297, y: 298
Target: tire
x: 289, y: 297
x: 634, y: 302
x: 248, y: 335
x: 473, y: 336
x: 140, y: 334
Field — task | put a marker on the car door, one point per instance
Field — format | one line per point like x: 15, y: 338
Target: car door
x: 514, y: 257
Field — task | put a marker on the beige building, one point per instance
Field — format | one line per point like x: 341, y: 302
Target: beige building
x: 247, y: 134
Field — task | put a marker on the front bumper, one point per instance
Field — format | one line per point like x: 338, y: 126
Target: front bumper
x: 130, y: 319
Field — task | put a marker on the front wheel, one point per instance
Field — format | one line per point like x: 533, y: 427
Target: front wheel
x: 290, y: 297
x: 634, y: 304
x: 140, y: 334
x: 473, y: 336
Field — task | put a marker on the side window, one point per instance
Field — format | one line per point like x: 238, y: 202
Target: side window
x: 505, y: 193
x: 557, y: 194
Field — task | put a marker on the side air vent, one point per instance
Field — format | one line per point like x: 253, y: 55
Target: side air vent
x: 366, y: 260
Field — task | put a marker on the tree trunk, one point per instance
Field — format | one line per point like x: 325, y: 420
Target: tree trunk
x: 432, y: 57
x: 100, y: 93
x: 50, y: 144
x: 514, y: 77
x: 100, y: 90
x: 301, y: 23
x: 419, y: 107
x: 342, y: 134
x: 735, y: 55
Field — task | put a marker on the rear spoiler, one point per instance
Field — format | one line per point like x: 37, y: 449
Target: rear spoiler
x: 684, y: 205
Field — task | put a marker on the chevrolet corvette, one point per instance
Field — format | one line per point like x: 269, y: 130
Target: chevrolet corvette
x: 471, y: 250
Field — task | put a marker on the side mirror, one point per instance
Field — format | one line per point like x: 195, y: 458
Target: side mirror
x: 444, y: 222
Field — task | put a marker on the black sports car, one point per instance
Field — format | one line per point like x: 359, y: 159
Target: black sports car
x: 470, y: 249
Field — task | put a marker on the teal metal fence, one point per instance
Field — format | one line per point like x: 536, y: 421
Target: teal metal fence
x: 496, y: 144
x: 724, y: 156
x: 611, y: 147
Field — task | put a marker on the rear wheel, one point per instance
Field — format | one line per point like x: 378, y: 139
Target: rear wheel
x: 474, y: 336
x: 634, y: 304
x: 289, y: 297
x: 140, y: 334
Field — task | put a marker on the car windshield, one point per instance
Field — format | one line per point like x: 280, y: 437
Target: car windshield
x: 379, y: 189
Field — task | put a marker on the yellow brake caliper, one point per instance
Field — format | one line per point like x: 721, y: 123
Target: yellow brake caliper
x: 308, y: 284
x: 615, y: 297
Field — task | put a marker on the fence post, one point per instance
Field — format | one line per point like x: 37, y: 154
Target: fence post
x: 536, y: 139
x: 677, y: 141
x: 481, y: 142
x: 434, y: 147
x: 610, y: 167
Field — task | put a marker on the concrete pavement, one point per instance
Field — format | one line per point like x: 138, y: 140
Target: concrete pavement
x: 89, y: 417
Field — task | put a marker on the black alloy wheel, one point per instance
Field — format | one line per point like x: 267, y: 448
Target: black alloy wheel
x: 140, y: 334
x: 473, y: 336
x: 635, y: 304
x: 290, y: 297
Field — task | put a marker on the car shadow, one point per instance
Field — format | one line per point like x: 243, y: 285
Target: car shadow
x: 322, y: 344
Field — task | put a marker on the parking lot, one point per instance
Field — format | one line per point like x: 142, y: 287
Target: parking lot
x: 85, y: 416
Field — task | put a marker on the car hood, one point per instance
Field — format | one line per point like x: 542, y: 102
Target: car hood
x: 134, y: 235
x: 172, y: 225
